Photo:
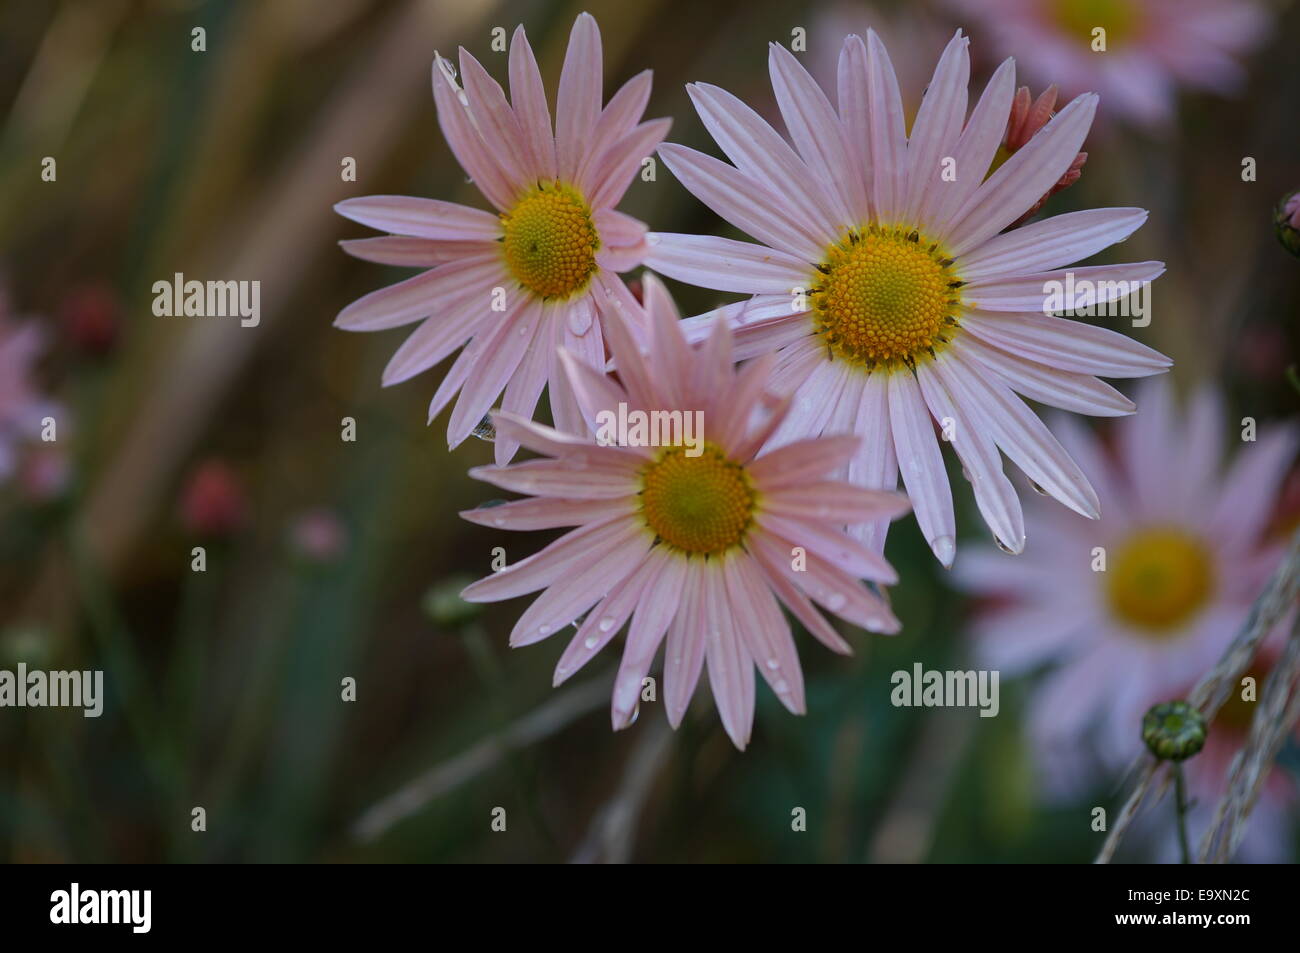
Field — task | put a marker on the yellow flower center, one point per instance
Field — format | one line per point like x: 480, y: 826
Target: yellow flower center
x: 1159, y: 579
x: 550, y: 241
x: 1079, y: 18
x: 702, y: 504
x: 885, y: 296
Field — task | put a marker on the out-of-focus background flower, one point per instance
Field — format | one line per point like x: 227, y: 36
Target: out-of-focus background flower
x: 327, y: 508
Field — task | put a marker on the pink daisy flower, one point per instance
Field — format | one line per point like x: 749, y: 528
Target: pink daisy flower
x: 1184, y: 553
x: 1152, y: 46
x: 886, y: 289
x: 696, y: 548
x: 525, y: 279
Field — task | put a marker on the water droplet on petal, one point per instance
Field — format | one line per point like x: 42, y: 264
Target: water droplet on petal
x: 591, y: 642
x: 543, y: 630
x: 580, y: 319
x: 835, y: 601
x: 1004, y: 547
x: 607, y: 623
x: 773, y: 664
x: 781, y: 687
x: 1038, y: 489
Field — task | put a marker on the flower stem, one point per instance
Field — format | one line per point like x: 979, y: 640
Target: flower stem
x: 1180, y: 806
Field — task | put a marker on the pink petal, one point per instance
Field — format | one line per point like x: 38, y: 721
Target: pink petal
x: 558, y: 478
x: 764, y: 632
x: 414, y: 252
x: 1065, y: 344
x: 921, y: 465
x: 1023, y: 179
x: 684, y: 650
x: 994, y: 494
x: 975, y: 149
x: 725, y: 264
x: 465, y: 142
x: 605, y: 620
x: 744, y: 202
x: 499, y: 351
x: 566, y: 557
x: 618, y: 166
x: 1028, y: 292
x: 422, y: 295
x: 500, y: 130
x: 937, y: 127
x: 759, y: 152
x: 1051, y: 243
x: 1020, y: 434
x: 654, y: 612
x: 571, y: 595
x: 617, y: 119
x: 578, y: 105
x: 528, y: 96
x: 886, y: 132
x: 1081, y: 393
x: 731, y: 670
x: 544, y: 513
x: 816, y: 132
x: 422, y: 218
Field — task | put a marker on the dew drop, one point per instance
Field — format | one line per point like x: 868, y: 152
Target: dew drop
x: 773, y: 664
x: 1004, y: 547
x: 607, y: 623
x: 1037, y: 489
x: 835, y: 601
x: 781, y: 687
x: 543, y: 630
x: 591, y: 642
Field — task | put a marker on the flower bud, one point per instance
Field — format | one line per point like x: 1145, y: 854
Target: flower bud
x: 1173, y: 731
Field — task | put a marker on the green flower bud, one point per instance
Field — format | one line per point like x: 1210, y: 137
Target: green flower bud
x: 1174, y: 731
x: 442, y: 603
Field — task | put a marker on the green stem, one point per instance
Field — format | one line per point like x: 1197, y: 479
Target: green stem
x: 1180, y: 805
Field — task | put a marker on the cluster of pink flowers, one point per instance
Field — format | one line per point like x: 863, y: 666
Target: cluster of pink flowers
x: 890, y: 291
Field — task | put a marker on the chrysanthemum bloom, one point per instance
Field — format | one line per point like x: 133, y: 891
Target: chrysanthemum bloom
x: 1132, y: 609
x: 521, y: 281
x: 696, y: 540
x: 1152, y: 47
x: 886, y: 289
x: 23, y: 406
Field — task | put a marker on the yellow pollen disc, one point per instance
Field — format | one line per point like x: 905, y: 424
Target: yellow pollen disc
x: 1078, y: 19
x: 1159, y: 579
x: 885, y: 297
x: 699, y: 504
x: 550, y: 241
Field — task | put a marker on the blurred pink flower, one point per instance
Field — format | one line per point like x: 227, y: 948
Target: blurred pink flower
x: 695, y: 547
x: 214, y: 503
x: 92, y: 318
x: 1185, y: 554
x: 886, y: 290
x: 319, y: 536
x: 44, y: 474
x: 23, y: 406
x: 1152, y: 46
x: 536, y: 274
